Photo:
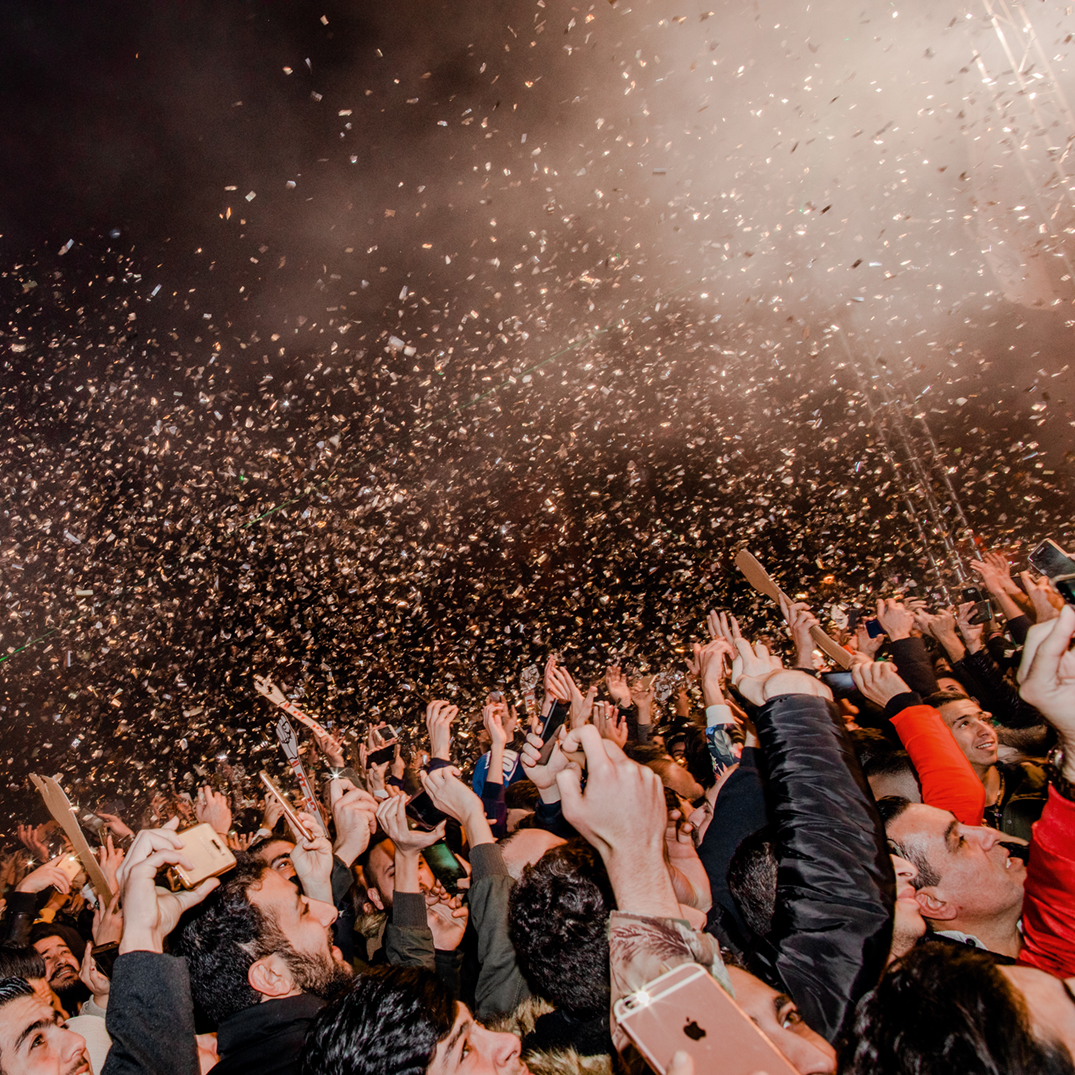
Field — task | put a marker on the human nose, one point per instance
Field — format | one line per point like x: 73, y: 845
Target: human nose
x: 905, y: 871
x: 810, y: 1057
x: 986, y: 837
x: 74, y: 1045
x: 325, y: 913
x: 502, y: 1049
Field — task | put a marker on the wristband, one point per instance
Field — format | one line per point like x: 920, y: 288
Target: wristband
x: 262, y: 832
x: 718, y: 714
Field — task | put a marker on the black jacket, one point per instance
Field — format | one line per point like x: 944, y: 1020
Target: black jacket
x: 266, y: 1039
x: 832, y: 927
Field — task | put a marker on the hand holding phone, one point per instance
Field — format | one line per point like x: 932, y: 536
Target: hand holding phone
x: 293, y: 818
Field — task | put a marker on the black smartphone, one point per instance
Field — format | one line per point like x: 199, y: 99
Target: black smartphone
x: 444, y: 866
x: 104, y: 955
x: 381, y: 754
x: 552, y: 727
x: 842, y: 684
x: 874, y: 628
x: 423, y: 813
x: 983, y: 610
x: 1051, y: 560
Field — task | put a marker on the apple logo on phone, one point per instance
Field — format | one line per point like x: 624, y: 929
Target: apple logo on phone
x: 693, y: 1031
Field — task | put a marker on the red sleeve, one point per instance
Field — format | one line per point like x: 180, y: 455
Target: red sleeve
x: 948, y: 781
x: 1049, y: 896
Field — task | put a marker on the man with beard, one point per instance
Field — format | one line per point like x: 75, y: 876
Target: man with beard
x: 262, y: 962
x: 57, y: 944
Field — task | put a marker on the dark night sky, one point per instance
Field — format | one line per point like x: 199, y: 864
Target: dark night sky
x: 398, y: 344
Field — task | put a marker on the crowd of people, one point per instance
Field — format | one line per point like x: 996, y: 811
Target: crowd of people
x: 876, y: 866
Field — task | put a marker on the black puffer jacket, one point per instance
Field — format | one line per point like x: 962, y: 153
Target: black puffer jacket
x: 835, y: 887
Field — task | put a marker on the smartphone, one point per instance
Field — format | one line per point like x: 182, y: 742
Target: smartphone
x: 423, y: 813
x: 104, y: 955
x: 842, y: 684
x: 444, y: 866
x: 289, y: 811
x: 548, y: 734
x: 382, y: 754
x: 207, y: 850
x: 70, y: 865
x: 874, y: 628
x: 686, y: 1009
x: 983, y: 610
x: 1051, y: 560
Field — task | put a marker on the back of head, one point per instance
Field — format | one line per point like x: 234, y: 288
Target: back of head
x: 17, y: 961
x: 388, y: 1023
x: 558, y: 918
x: 945, y: 1008
x: 752, y: 880
x: 222, y: 938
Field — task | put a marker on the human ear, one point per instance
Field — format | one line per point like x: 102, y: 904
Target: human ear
x: 933, y: 906
x: 271, y: 977
x: 373, y: 901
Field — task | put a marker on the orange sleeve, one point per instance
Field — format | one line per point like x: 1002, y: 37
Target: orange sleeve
x: 948, y: 781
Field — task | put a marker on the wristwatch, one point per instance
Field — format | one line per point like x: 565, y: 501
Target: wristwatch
x: 1054, y: 766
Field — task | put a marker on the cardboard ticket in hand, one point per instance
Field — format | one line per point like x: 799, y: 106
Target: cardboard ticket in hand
x: 267, y: 689
x: 763, y: 582
x: 64, y: 812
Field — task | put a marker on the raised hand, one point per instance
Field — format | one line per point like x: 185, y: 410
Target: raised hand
x: 330, y: 746
x: 610, y: 722
x: 543, y: 776
x: 1047, y: 603
x: 866, y: 645
x: 616, y: 682
x: 116, y: 824
x: 751, y: 666
x: 439, y: 718
x: 271, y: 813
x: 711, y: 658
x: 895, y: 618
x: 392, y: 815
x: 1047, y: 678
x: 973, y: 633
x: 212, y: 807
x: 942, y: 625
x: 150, y: 913
x: 397, y: 765
x: 557, y: 683
x: 355, y: 812
x: 108, y: 921
x: 313, y: 861
x: 493, y: 719
x: 622, y: 814
x: 879, y: 681
x: 450, y: 795
x: 642, y: 697
x: 92, y: 978
x: 47, y: 875
x: 110, y: 858
x: 30, y: 838
x: 800, y: 619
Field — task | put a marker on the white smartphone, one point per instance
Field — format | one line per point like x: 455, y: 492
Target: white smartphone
x: 685, y: 1009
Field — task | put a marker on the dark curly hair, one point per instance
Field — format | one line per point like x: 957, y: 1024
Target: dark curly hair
x: 223, y: 937
x: 387, y: 1023
x: 945, y: 1008
x: 558, y: 922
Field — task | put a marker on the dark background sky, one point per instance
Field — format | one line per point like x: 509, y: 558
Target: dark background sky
x: 382, y: 348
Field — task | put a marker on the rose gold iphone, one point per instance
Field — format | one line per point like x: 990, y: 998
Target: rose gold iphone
x: 686, y: 1009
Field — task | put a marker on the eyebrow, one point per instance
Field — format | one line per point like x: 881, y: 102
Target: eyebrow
x: 32, y: 1029
x: 781, y: 1001
x: 950, y: 832
x: 459, y: 1032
